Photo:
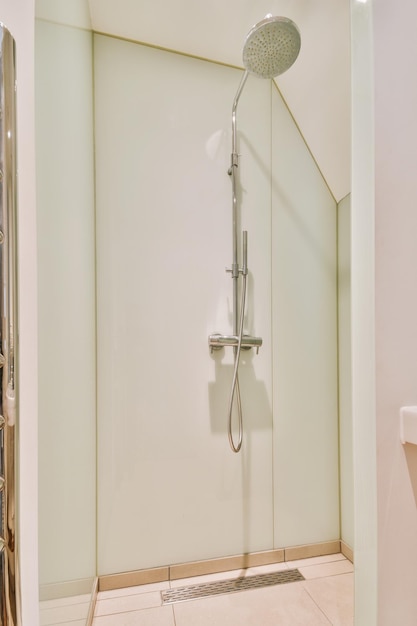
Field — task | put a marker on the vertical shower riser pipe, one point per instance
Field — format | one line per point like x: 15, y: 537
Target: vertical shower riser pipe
x: 237, y: 322
x: 234, y: 163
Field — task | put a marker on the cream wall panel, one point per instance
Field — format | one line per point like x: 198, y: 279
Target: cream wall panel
x: 170, y: 489
x: 71, y: 13
x: 306, y: 480
x: 345, y: 374
x: 65, y: 198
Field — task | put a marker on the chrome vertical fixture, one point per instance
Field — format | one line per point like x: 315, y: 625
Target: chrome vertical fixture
x: 270, y: 48
x: 9, y: 564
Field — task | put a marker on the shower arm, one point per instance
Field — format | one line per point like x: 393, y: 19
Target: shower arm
x: 235, y: 157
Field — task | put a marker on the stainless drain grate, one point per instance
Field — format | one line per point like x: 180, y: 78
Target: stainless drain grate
x: 204, y: 590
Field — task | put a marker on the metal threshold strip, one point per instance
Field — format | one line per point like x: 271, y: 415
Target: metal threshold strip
x: 220, y: 587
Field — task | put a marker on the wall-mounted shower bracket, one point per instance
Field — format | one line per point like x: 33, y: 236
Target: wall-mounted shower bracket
x: 218, y: 341
x: 235, y: 270
x: 234, y: 162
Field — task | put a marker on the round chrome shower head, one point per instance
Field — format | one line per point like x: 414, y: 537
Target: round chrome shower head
x: 271, y: 47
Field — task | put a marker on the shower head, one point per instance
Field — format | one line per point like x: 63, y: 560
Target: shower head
x: 271, y: 47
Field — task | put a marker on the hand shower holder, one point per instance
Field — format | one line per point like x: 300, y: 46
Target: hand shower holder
x: 217, y: 342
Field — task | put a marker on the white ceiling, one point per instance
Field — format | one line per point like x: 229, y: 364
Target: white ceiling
x: 316, y: 88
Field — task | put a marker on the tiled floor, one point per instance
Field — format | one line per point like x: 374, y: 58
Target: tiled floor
x: 324, y: 598
x: 65, y: 611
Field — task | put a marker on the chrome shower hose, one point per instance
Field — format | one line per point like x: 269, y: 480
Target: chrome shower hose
x: 235, y: 381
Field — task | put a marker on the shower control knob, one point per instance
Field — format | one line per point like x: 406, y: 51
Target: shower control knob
x: 213, y: 342
x: 217, y: 341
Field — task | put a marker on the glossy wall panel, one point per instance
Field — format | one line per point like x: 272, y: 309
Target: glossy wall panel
x: 69, y: 13
x: 304, y: 327
x: 66, y: 280
x: 170, y: 489
x: 345, y: 373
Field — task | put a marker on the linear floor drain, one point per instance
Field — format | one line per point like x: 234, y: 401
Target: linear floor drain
x: 204, y: 590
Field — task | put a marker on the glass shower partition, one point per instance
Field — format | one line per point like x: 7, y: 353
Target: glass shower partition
x: 9, y: 573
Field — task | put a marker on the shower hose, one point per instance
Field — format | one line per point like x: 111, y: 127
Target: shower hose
x: 235, y: 381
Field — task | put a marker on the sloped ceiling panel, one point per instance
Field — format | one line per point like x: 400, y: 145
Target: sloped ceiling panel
x: 316, y: 88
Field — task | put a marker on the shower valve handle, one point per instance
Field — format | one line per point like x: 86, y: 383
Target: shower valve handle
x: 217, y: 341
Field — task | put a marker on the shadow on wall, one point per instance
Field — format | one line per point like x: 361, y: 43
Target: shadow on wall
x: 257, y: 411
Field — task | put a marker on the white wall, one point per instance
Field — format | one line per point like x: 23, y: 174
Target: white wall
x: 170, y: 488
x: 363, y: 316
x: 66, y: 244
x: 18, y: 16
x: 396, y: 305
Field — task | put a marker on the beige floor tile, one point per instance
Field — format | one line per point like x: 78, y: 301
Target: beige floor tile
x: 334, y: 596
x: 131, y: 591
x: 123, y: 604
x: 161, y: 616
x: 268, y: 569
x: 52, y: 616
x: 206, y: 578
x: 78, y: 622
x: 288, y: 605
x: 327, y: 569
x: 58, y: 602
x: 238, y: 573
x: 316, y: 560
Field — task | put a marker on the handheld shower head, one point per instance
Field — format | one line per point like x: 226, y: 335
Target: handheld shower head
x: 271, y: 47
